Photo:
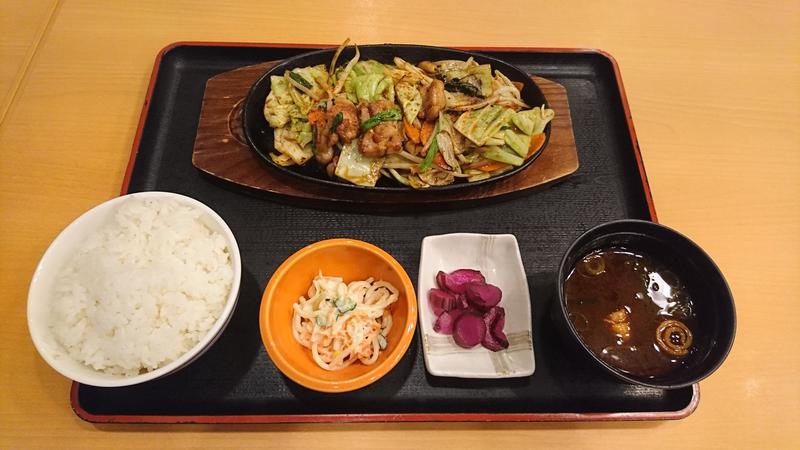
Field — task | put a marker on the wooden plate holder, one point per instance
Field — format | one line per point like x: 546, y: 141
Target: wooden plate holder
x: 221, y: 152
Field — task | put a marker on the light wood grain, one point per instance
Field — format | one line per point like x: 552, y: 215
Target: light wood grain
x: 23, y: 24
x: 714, y: 89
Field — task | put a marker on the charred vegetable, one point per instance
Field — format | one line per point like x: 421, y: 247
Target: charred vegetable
x: 456, y: 85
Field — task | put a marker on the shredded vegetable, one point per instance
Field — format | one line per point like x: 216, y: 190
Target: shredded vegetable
x: 433, y: 148
x: 342, y: 323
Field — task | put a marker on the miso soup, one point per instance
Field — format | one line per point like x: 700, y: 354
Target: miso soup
x: 631, y: 311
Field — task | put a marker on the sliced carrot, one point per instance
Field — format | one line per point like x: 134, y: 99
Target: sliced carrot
x: 439, y: 161
x: 536, y: 143
x: 491, y: 167
x: 411, y: 131
x: 427, y: 130
x: 316, y: 116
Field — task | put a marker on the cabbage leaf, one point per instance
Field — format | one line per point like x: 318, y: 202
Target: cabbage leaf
x: 517, y: 141
x: 533, y: 121
x: 286, y: 142
x: 313, y: 74
x: 357, y: 168
x: 303, y: 130
x: 503, y: 155
x: 484, y: 75
x: 369, y: 81
x: 410, y: 100
x: 279, y: 107
x: 481, y: 124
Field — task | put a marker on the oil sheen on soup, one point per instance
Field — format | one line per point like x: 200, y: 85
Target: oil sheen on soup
x: 631, y: 311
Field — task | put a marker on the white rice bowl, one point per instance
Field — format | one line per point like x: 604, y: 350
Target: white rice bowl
x: 134, y: 289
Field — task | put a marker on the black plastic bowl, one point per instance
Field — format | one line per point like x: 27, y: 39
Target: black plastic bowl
x: 715, y: 312
x: 260, y: 135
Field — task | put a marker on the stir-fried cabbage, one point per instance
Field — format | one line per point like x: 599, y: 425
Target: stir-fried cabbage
x: 483, y: 74
x: 356, y: 168
x: 481, y: 124
x: 286, y: 142
x: 517, y: 141
x: 534, y: 120
x: 303, y: 130
x: 279, y: 107
x: 475, y: 124
x: 410, y: 100
x: 503, y: 155
x: 315, y: 75
x: 312, y: 76
x: 369, y: 81
x: 412, y: 73
x: 470, y: 72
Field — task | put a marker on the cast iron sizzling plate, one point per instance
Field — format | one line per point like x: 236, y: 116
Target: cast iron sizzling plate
x: 236, y: 382
x: 260, y: 136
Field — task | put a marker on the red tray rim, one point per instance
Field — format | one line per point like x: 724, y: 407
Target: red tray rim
x: 398, y: 417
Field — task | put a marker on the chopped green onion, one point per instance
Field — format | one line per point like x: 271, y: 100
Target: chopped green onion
x: 382, y: 342
x: 434, y: 147
x: 337, y: 121
x: 322, y: 321
x: 389, y: 115
x: 298, y: 78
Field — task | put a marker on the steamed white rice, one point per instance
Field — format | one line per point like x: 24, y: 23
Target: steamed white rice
x: 143, y: 290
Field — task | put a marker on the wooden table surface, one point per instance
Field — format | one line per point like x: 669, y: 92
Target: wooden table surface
x: 714, y: 89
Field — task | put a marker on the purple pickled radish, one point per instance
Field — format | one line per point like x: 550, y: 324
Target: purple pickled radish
x: 493, y: 315
x: 440, y: 280
x: 445, y: 322
x: 456, y: 281
x: 494, y: 320
x: 469, y: 330
x: 441, y: 300
x: 498, y: 330
x: 461, y: 302
x: 494, y: 343
x: 453, y: 303
x: 483, y: 296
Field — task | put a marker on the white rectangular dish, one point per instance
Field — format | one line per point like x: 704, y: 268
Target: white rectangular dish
x: 498, y: 258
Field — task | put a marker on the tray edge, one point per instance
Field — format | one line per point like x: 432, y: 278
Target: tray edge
x: 399, y: 417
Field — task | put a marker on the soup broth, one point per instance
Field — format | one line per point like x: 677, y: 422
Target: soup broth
x: 631, y: 311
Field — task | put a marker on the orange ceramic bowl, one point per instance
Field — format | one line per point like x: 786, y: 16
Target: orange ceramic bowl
x: 351, y: 260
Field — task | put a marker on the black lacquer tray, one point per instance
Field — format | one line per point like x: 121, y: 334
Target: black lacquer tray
x: 235, y: 381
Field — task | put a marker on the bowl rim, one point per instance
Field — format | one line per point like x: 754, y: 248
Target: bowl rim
x: 283, y: 64
x: 560, y: 297
x: 37, y: 333
x: 277, y: 355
